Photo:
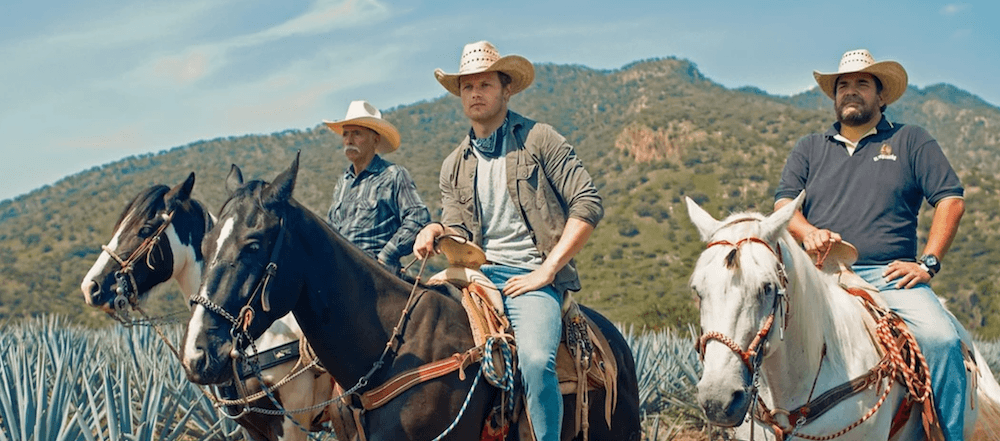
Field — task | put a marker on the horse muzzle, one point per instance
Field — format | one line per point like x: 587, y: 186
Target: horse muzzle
x: 725, y: 398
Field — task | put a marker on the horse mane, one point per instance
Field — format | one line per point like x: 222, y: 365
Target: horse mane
x: 821, y: 292
x: 145, y: 204
x: 253, y: 189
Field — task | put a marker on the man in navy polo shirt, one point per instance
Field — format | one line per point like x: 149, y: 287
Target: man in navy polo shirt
x: 865, y: 179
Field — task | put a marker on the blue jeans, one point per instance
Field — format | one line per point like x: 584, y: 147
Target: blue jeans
x: 536, y: 317
x: 939, y: 335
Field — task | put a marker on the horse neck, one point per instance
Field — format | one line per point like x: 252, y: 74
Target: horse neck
x: 821, y: 318
x: 343, y: 294
x: 188, y: 228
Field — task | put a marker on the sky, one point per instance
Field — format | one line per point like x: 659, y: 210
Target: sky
x: 83, y: 84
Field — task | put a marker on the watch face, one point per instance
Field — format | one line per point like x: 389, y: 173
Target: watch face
x: 931, y: 261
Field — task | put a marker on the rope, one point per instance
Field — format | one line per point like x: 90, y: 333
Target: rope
x: 461, y: 411
x: 504, y: 381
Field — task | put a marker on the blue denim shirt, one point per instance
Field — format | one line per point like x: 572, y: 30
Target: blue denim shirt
x: 379, y: 210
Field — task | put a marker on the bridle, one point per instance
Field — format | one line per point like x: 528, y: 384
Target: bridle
x: 751, y: 355
x: 241, y: 323
x: 128, y: 289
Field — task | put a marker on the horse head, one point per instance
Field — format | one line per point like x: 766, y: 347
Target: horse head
x: 739, y: 280
x: 243, y: 253
x: 157, y: 237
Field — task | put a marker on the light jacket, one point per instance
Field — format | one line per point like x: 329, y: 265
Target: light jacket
x: 545, y: 180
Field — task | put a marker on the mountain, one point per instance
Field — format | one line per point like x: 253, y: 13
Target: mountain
x: 651, y: 133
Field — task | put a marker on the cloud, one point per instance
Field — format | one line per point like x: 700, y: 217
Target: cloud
x: 182, y: 68
x: 192, y: 63
x: 954, y: 8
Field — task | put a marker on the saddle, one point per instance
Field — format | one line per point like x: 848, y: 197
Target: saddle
x: 584, y: 360
x: 837, y: 263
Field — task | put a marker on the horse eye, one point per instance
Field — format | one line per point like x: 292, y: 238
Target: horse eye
x: 146, y: 231
x: 253, y: 247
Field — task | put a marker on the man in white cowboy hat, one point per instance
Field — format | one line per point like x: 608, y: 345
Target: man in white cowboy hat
x: 865, y: 179
x: 517, y: 189
x: 375, y: 203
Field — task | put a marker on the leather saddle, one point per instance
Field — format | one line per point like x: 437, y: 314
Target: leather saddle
x: 584, y: 360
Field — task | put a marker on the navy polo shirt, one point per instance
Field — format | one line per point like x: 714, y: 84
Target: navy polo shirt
x: 871, y: 198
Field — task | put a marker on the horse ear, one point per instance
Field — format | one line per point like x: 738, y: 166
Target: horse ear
x: 704, y: 222
x: 283, y: 185
x: 778, y: 221
x: 234, y: 180
x: 180, y: 194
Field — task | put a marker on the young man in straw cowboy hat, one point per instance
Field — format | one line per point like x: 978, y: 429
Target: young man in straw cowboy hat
x: 375, y: 203
x: 516, y: 188
x: 865, y: 179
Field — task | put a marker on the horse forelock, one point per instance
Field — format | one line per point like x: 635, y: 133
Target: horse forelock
x: 143, y: 206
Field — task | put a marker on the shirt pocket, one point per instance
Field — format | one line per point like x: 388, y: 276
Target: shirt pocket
x: 463, y: 195
x: 365, y: 210
x: 527, y: 184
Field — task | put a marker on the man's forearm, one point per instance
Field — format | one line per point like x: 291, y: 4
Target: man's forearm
x: 944, y: 226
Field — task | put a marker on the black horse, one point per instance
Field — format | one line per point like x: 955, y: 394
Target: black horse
x: 158, y: 238
x: 269, y: 255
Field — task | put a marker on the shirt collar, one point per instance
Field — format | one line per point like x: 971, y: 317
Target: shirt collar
x: 883, y: 126
x: 375, y: 167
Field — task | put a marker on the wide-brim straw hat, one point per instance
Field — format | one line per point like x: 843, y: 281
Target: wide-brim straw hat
x: 361, y: 113
x: 482, y: 56
x: 890, y: 73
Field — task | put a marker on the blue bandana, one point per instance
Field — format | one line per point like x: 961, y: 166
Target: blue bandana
x: 490, y: 146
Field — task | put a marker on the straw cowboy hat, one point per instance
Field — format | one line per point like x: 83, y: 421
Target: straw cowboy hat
x: 890, y: 73
x: 361, y: 113
x: 482, y: 56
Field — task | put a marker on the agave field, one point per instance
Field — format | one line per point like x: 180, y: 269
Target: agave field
x: 64, y: 382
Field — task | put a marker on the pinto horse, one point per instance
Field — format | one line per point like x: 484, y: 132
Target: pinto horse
x: 773, y: 321
x: 270, y: 256
x: 158, y: 238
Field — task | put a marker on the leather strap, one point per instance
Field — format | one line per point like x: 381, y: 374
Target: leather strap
x: 270, y: 358
x: 402, y: 382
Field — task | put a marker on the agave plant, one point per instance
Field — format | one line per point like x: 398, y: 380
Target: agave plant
x: 66, y: 383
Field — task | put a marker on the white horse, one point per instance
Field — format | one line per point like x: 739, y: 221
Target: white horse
x: 782, y: 339
x: 158, y: 237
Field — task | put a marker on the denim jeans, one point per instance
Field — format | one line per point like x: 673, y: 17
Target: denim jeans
x: 939, y: 335
x: 536, y: 317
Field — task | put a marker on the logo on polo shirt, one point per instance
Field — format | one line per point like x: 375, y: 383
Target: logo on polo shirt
x: 885, y: 153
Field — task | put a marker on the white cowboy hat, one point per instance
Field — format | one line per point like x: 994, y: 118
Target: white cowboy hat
x: 482, y: 56
x: 890, y: 73
x: 361, y: 113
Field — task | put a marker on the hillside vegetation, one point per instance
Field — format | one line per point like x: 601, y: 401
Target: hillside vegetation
x: 651, y: 133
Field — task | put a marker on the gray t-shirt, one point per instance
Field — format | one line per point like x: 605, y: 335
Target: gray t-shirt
x: 506, y: 239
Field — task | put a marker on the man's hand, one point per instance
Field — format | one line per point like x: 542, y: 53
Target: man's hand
x: 818, y: 240
x: 908, y: 273
x: 518, y: 285
x: 423, y: 245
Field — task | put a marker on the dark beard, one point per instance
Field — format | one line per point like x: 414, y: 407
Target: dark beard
x: 861, y: 116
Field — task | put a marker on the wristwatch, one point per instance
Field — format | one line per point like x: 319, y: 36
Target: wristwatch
x: 930, y: 263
